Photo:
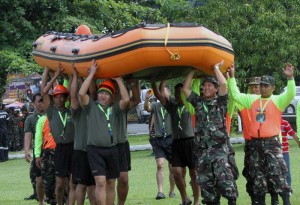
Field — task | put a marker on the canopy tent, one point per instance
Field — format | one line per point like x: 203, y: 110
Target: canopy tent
x: 15, y: 104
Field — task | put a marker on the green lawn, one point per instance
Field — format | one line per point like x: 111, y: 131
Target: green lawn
x: 15, y: 185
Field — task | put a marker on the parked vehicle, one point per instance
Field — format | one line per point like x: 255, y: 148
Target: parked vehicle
x: 143, y: 115
x: 291, y: 108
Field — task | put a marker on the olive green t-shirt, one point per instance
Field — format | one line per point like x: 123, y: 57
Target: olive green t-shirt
x: 80, y: 123
x: 99, y: 133
x: 30, y: 123
x: 119, y: 122
x: 182, y: 126
x: 62, y: 134
x: 162, y: 120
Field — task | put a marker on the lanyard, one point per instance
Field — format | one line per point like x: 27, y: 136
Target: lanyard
x: 108, y: 121
x: 180, y: 111
x: 64, y: 122
x: 163, y: 112
x: 262, y: 108
x: 206, y: 110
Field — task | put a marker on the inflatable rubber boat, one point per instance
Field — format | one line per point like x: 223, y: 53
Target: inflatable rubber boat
x: 147, y: 51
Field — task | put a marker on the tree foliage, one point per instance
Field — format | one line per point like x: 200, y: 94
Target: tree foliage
x: 264, y: 34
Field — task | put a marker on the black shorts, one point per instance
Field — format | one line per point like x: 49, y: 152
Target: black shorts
x: 34, y: 169
x: 183, y: 153
x: 104, y: 161
x: 63, y: 158
x: 124, y: 157
x: 163, y: 148
x: 81, y: 171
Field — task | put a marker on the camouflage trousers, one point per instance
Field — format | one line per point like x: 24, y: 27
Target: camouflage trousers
x: 267, y: 168
x: 231, y: 160
x: 32, y: 175
x: 48, y: 173
x: 214, y: 174
x: 248, y: 150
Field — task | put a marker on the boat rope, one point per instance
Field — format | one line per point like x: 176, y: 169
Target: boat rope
x: 173, y: 56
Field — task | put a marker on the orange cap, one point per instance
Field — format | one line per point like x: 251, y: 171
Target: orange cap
x: 83, y: 30
x: 107, y: 86
x: 60, y: 89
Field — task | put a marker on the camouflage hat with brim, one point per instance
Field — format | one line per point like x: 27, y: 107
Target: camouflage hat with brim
x: 254, y: 81
x: 268, y: 80
x: 211, y: 79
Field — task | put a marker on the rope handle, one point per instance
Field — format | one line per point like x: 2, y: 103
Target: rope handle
x: 173, y: 56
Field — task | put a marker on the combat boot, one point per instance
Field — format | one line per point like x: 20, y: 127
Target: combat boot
x: 274, y: 199
x: 285, y: 198
x: 259, y: 200
x: 232, y: 201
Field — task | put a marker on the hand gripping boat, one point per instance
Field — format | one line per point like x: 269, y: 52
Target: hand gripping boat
x: 147, y: 51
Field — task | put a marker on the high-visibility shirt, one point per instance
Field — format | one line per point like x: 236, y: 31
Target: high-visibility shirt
x: 43, y: 136
x: 270, y: 109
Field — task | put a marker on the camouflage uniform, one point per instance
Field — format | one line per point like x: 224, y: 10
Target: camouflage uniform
x: 268, y: 167
x: 3, y: 135
x: 14, y: 133
x: 48, y: 175
x: 214, y: 172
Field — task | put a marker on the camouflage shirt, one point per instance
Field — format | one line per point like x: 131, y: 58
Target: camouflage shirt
x: 210, y: 120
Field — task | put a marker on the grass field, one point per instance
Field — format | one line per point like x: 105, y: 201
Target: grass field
x: 15, y: 185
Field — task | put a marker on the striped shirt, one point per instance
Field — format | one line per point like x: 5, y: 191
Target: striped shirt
x: 286, y: 130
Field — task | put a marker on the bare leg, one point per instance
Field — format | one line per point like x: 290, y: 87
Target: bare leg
x: 195, y: 187
x: 71, y: 191
x: 59, y: 189
x: 40, y: 190
x: 80, y: 194
x: 110, y: 191
x: 179, y: 180
x: 171, y: 179
x: 160, y: 174
x: 100, y: 190
x: 91, y: 194
x: 122, y: 188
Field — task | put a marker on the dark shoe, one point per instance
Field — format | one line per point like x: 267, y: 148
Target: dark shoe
x: 32, y: 197
x: 171, y: 194
x: 160, y: 196
x: 189, y: 202
x: 274, y: 199
x: 232, y: 201
x: 285, y: 198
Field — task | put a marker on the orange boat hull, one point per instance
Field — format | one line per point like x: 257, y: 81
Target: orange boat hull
x: 149, y: 52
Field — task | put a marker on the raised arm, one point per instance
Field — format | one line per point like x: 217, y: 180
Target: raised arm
x: 187, y: 83
x: 220, y: 77
x: 136, y: 98
x: 73, y: 89
x: 146, y: 103
x: 93, y: 90
x: 83, y: 96
x: 124, y: 101
x: 160, y: 93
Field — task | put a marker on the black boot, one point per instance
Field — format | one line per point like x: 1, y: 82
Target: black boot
x: 259, y: 200
x: 274, y: 199
x: 232, y: 201
x: 285, y: 198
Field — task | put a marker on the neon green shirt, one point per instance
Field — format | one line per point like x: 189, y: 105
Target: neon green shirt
x: 38, y: 141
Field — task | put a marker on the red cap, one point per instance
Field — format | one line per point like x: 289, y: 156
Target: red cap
x: 60, y: 89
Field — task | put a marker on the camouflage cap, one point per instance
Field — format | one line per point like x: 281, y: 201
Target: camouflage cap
x: 266, y: 79
x: 211, y: 79
x: 254, y: 81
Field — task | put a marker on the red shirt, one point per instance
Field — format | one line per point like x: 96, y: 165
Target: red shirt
x: 286, y: 130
